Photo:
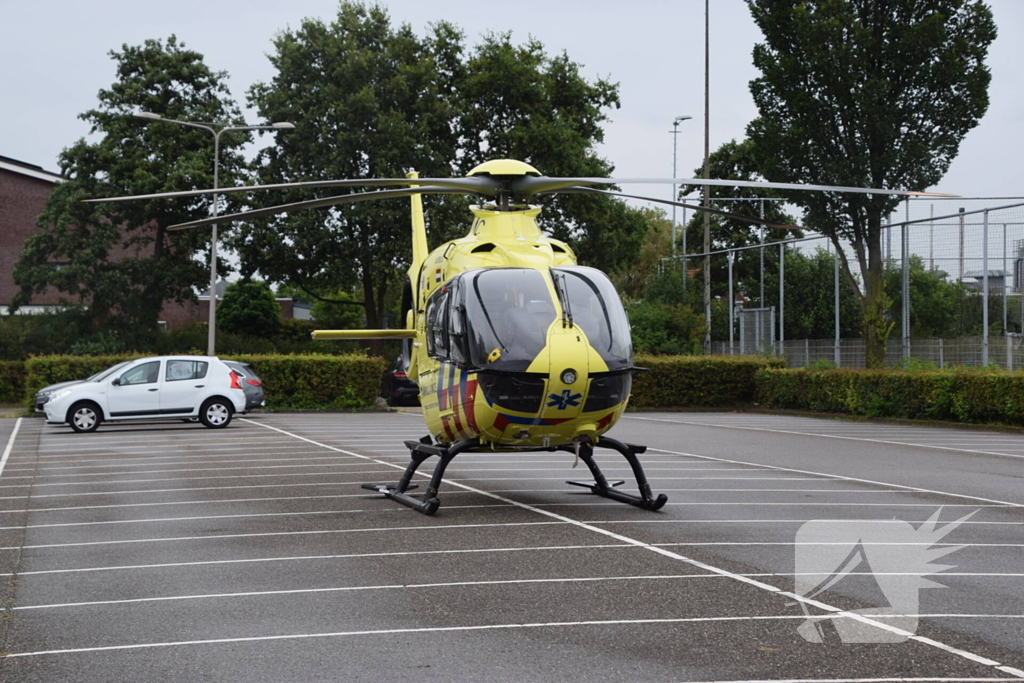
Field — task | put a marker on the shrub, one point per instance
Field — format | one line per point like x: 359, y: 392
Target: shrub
x: 318, y: 381
x: 12, y: 381
x: 697, y: 381
x: 980, y: 396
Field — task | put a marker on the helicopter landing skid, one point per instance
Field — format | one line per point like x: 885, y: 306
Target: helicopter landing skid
x: 420, y: 451
x: 602, y: 487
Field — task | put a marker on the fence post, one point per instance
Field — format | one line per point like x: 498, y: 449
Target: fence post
x: 941, y: 363
x: 905, y: 286
x: 732, y: 302
x: 1006, y: 299
x: 835, y: 278
x: 782, y: 297
x: 984, y: 287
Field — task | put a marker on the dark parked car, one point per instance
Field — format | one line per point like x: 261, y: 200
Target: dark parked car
x: 397, y: 388
x: 252, y: 385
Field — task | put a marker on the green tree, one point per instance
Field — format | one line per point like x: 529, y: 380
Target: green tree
x: 866, y: 93
x: 935, y: 302
x: 634, y: 279
x: 371, y: 100
x: 736, y: 160
x: 809, y: 311
x: 520, y: 103
x: 249, y: 309
x: 368, y: 100
x: 119, y: 259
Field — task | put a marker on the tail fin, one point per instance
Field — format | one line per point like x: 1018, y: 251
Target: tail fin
x: 419, y: 239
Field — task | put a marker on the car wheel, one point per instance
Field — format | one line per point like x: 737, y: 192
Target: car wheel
x: 84, y: 416
x: 215, y: 413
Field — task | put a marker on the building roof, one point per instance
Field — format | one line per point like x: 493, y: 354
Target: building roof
x: 31, y: 170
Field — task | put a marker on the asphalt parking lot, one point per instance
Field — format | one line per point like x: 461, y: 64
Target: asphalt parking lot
x: 170, y: 552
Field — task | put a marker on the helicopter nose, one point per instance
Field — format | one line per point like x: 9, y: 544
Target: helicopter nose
x: 568, y: 368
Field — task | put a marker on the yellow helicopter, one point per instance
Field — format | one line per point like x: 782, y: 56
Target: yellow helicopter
x: 515, y: 346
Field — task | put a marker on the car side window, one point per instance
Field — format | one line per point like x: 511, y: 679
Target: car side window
x: 178, y: 370
x: 147, y: 373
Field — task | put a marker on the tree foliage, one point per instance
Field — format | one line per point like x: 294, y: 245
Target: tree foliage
x: 119, y: 259
x: 250, y: 309
x: 809, y: 311
x: 372, y: 100
x: 368, y: 100
x: 736, y: 160
x: 868, y: 93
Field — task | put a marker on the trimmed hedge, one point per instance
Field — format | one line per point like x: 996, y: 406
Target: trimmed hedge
x: 956, y: 395
x: 318, y: 381
x: 697, y: 381
x: 290, y: 382
x: 12, y: 381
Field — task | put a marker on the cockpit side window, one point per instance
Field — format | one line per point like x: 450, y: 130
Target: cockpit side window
x: 437, y: 334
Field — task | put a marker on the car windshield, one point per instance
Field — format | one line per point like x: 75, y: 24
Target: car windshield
x: 99, y: 376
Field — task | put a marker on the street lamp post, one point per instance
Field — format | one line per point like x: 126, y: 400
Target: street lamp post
x: 216, y: 132
x: 675, y: 137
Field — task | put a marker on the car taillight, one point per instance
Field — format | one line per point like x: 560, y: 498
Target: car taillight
x: 234, y: 381
x: 254, y: 382
x: 399, y: 375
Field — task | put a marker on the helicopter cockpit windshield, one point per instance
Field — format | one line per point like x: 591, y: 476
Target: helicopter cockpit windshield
x: 593, y: 304
x: 508, y: 312
x: 498, y: 318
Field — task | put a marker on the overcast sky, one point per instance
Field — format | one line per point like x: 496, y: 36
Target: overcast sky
x: 55, y: 57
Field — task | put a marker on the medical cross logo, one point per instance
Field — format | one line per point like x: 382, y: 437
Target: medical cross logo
x: 887, y: 558
x: 564, y: 400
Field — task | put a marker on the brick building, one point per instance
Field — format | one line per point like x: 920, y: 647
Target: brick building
x: 24, y: 189
x: 23, y: 192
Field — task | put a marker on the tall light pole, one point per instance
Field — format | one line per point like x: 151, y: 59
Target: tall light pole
x: 707, y: 175
x: 675, y: 137
x: 216, y: 131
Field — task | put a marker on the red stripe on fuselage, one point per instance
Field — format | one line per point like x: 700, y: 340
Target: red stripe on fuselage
x: 468, y: 404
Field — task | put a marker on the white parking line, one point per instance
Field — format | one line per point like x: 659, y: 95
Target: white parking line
x: 163, y: 520
x: 347, y: 589
x: 517, y: 626
x: 313, y: 532
x: 823, y: 436
x: 309, y: 558
x: 855, y: 479
x: 10, y: 445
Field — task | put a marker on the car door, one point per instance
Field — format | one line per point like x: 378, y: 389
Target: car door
x: 184, y: 385
x: 136, y: 393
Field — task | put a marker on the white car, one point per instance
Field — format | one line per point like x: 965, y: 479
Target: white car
x: 173, y: 387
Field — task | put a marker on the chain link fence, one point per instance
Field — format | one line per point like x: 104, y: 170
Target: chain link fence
x: 953, y: 282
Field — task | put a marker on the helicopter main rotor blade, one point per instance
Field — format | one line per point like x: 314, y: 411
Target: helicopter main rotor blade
x: 706, y: 209
x: 316, y: 203
x: 530, y: 185
x: 476, y: 184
